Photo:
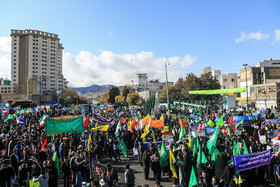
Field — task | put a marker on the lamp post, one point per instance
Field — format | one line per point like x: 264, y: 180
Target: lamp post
x: 166, y: 84
x: 246, y: 84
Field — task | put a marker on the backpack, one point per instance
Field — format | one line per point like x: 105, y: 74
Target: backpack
x: 131, y: 177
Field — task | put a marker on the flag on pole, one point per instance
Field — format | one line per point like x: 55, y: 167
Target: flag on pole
x: 163, y: 155
x: 45, y: 144
x: 9, y: 118
x: 123, y: 147
x: 56, y: 162
x: 85, y: 121
x: 220, y: 122
x: 211, y: 123
x: 245, y: 149
x: 89, y: 142
x: 231, y: 121
x: 118, y: 127
x: 42, y: 120
x: 229, y: 134
x: 21, y: 121
x: 172, y: 160
x: 193, y: 180
x: 182, y: 133
x: 213, y: 140
x: 146, y: 131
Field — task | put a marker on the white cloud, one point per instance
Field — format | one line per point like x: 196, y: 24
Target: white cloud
x: 277, y: 35
x: 86, y: 68
x: 251, y: 36
x: 5, y: 57
x: 109, y: 68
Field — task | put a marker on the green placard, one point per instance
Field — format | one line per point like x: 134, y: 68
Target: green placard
x: 60, y: 126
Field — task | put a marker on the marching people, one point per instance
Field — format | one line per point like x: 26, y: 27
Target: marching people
x: 31, y: 152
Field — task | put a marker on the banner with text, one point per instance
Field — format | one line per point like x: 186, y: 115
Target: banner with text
x: 60, y: 126
x: 249, y: 161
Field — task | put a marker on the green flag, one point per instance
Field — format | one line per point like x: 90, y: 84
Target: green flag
x: 96, y: 124
x: 193, y: 180
x: 201, y: 158
x: 199, y: 113
x: 211, y: 123
x: 236, y: 149
x: 188, y: 120
x: 123, y: 147
x: 240, y: 123
x: 56, y: 162
x: 163, y: 156
x: 229, y: 132
x: 220, y: 122
x: 9, y: 118
x: 196, y: 120
x: 182, y: 133
x: 212, y: 141
x: 245, y: 149
x: 11, y: 127
x: 214, y: 152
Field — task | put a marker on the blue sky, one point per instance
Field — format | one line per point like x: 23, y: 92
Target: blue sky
x: 194, y: 33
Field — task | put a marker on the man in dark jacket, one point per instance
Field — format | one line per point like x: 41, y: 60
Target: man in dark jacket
x: 65, y: 167
x: 53, y: 174
x: 15, y: 160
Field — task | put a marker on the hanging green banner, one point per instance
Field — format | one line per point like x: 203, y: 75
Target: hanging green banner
x: 220, y: 91
x: 60, y: 126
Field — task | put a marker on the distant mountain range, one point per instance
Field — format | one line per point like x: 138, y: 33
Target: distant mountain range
x: 93, y: 89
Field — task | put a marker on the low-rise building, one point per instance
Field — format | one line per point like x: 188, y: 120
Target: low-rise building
x: 265, y: 95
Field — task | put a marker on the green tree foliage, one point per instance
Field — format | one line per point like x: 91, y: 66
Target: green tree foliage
x: 180, y: 91
x: 125, y: 90
x: 70, y: 96
x: 133, y: 99
x: 113, y: 92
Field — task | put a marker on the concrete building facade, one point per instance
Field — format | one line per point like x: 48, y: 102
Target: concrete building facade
x: 36, y: 57
x: 227, y: 81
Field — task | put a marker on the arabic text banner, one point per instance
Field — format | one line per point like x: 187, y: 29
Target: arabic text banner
x: 60, y: 126
x: 249, y: 161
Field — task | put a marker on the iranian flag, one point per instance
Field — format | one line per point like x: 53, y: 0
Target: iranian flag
x: 42, y: 120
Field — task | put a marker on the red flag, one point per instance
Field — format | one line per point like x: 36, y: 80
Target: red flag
x: 231, y: 121
x: 226, y: 131
x: 133, y: 125
x: 86, y: 122
x: 122, y: 120
x: 45, y: 144
x: 183, y: 122
x: 200, y: 127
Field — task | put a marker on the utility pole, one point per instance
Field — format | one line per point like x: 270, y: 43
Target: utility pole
x: 166, y: 84
x: 246, y: 85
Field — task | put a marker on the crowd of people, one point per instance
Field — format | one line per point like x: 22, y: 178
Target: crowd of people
x: 28, y: 154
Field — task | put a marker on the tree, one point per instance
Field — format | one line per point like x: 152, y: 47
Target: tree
x: 133, y: 99
x: 125, y: 90
x: 180, y: 91
x: 113, y: 92
x: 104, y: 98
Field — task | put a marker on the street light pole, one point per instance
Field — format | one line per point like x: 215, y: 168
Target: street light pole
x: 246, y: 84
x: 166, y: 84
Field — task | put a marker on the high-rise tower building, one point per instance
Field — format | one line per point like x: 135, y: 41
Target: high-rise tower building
x: 36, y: 62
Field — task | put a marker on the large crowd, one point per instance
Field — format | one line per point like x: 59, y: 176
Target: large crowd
x: 30, y: 157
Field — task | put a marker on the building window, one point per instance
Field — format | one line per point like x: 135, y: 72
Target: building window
x: 224, y: 80
x: 224, y: 87
x: 232, y: 80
